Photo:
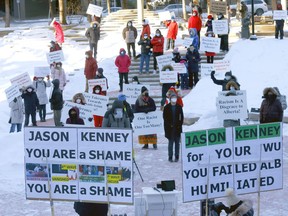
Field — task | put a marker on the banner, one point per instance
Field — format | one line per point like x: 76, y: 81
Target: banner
x: 93, y: 82
x: 56, y: 56
x: 79, y: 164
x: 220, y: 26
x: 187, y: 41
x: 221, y: 66
x: 218, y: 7
x: 41, y: 71
x: 280, y: 14
x: 22, y: 80
x: 232, y: 107
x: 97, y: 102
x: 210, y: 44
x: 236, y: 157
x: 133, y: 91
x: 12, y: 92
x: 179, y: 68
x: 150, y: 123
x: 94, y: 10
x: 206, y: 69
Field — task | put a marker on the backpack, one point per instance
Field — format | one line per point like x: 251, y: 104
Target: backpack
x: 281, y: 98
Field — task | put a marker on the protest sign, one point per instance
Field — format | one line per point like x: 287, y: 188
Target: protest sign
x: 97, y: 102
x: 179, y: 68
x: 79, y: 164
x: 220, y: 26
x: 41, y: 71
x: 93, y: 82
x: 232, y: 107
x: 187, y: 41
x: 206, y: 69
x: 12, y: 92
x: 168, y: 77
x: 133, y: 91
x: 94, y: 10
x: 165, y: 15
x: 221, y: 66
x: 236, y: 157
x: 164, y: 60
x: 279, y: 14
x: 218, y: 7
x: 210, y: 44
x: 22, y: 80
x: 56, y: 56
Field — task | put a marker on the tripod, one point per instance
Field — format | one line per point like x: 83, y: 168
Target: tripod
x: 138, y: 169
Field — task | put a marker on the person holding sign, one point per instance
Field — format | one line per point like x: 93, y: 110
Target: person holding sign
x: 123, y: 63
x: 93, y: 35
x: 57, y: 72
x: 173, y: 121
x: 31, y: 103
x: 98, y: 119
x: 129, y: 34
x: 193, y: 59
x: 145, y: 104
x: 56, y: 102
x: 172, y: 33
x: 58, y: 31
x: 90, y: 68
x: 16, y: 114
x: 224, y: 44
x: 145, y: 44
x: 208, y: 23
x: 99, y: 75
x: 279, y: 25
x: 157, y: 43
x: 210, y: 55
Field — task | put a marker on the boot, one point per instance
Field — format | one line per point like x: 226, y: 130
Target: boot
x: 145, y: 146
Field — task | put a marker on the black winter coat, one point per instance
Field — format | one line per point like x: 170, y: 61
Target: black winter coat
x: 271, y: 111
x: 91, y: 209
x: 145, y: 46
x: 173, y: 128
x: 56, y: 99
x: 224, y: 82
x: 31, y: 101
x: 193, y: 58
x: 142, y: 106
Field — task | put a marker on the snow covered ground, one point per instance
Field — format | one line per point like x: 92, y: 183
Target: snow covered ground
x: 257, y: 64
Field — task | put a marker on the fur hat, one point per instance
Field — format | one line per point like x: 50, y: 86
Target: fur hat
x: 80, y: 96
x: 121, y: 97
x: 269, y: 89
x: 232, y: 199
x: 143, y: 89
x: 233, y: 84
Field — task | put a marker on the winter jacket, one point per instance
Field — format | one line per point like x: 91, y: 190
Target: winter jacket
x: 172, y: 30
x: 193, y: 34
x: 128, y: 110
x: 193, y: 58
x: 110, y: 120
x: 123, y: 62
x: 90, y: 66
x: 76, y: 119
x: 158, y: 44
x: 58, y: 32
x: 129, y: 33
x: 146, y: 30
x: 243, y: 208
x: 31, y: 102
x: 209, y: 26
x: 17, y: 110
x: 223, y: 82
x: 40, y: 88
x: 173, y: 128
x: 59, y: 73
x: 93, y: 33
x: 144, y: 106
x: 271, y: 108
x: 56, y: 99
x: 145, y: 45
x: 195, y: 22
x: 91, y: 209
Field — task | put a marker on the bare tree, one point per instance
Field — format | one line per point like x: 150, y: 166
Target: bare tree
x: 62, y: 12
x: 7, y: 13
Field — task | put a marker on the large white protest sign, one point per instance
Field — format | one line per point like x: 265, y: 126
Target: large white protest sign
x: 133, y: 91
x: 94, y: 10
x: 79, y: 164
x: 217, y: 159
x: 41, y: 71
x: 206, y: 69
x: 220, y: 26
x: 98, y: 102
x: 85, y: 112
x: 168, y: 77
x: 279, y: 14
x: 150, y: 123
x: 218, y: 7
x: 179, y: 68
x: 12, y: 92
x: 93, y: 82
x: 232, y: 107
x: 56, y: 56
x: 165, y: 15
x: 164, y: 60
x: 221, y: 66
x: 210, y: 44
x: 22, y: 80
x: 187, y: 41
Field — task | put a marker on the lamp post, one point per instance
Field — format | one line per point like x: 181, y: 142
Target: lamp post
x: 253, y: 36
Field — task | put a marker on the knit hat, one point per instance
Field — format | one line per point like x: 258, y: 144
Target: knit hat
x: 229, y: 73
x: 210, y: 16
x: 100, y: 70
x: 176, y: 50
x: 143, y: 89
x: 135, y: 78
x: 121, y: 97
x: 232, y: 199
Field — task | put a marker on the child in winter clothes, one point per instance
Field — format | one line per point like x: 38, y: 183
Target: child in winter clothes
x: 210, y: 55
x: 99, y: 75
x: 56, y: 101
x: 145, y: 52
x: 193, y: 59
x: 158, y: 47
x: 16, y: 114
x: 97, y: 119
x: 123, y: 63
x: 90, y: 68
x: 208, y: 24
x: 40, y: 87
x: 57, y: 72
x: 172, y: 33
x: 193, y: 34
x: 31, y: 103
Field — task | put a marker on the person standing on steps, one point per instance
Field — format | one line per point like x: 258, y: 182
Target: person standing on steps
x: 31, y: 104
x: 146, y: 28
x: 210, y: 55
x: 98, y: 119
x: 145, y: 44
x: 145, y: 104
x: 90, y: 68
x: 172, y: 33
x: 123, y: 63
x: 56, y: 102
x: 129, y: 34
x: 195, y: 22
x: 93, y: 35
x: 157, y: 43
x: 224, y: 44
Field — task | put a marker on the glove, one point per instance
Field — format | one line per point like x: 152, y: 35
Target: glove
x: 34, y: 78
x: 15, y: 100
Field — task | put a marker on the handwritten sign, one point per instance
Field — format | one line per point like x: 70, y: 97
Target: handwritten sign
x: 101, y: 82
x: 12, y: 92
x: 220, y: 26
x: 218, y: 7
x: 206, y: 69
x: 132, y: 91
x: 187, y: 41
x: 56, y: 56
x: 22, y: 80
x: 94, y: 10
x: 221, y: 66
x: 210, y: 44
x: 279, y: 14
x: 179, y: 68
x: 98, y: 102
x: 41, y: 71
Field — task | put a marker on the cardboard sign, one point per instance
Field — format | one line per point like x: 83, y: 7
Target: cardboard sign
x: 93, y: 82
x: 132, y: 91
x: 279, y: 14
x: 187, y: 41
x: 220, y: 26
x: 179, y: 68
x: 221, y: 66
x: 41, y: 71
x: 94, y: 10
x: 206, y: 69
x: 150, y: 123
x: 218, y: 7
x: 164, y: 60
x: 22, y: 80
x: 210, y: 44
x: 168, y: 77
x: 246, y: 158
x: 56, y: 56
x: 98, y: 102
x: 92, y: 164
x: 12, y: 92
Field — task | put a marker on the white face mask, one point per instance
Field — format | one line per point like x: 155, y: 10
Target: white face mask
x: 118, y: 113
x: 157, y: 34
x: 29, y: 90
x: 87, y: 56
x: 194, y: 14
x: 173, y: 100
x: 134, y: 82
x: 129, y: 24
x: 227, y: 77
x: 78, y: 100
x: 40, y: 79
x: 97, y: 91
x: 145, y: 37
x: 232, y: 88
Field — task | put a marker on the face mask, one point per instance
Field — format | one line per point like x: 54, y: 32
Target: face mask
x: 122, y: 53
x: 95, y: 26
x: 78, y: 100
x: 227, y: 77
x: 194, y: 14
x: 97, y: 91
x: 58, y: 66
x: 146, y: 94
x: 134, y: 82
x: 157, y: 34
x: 118, y: 113
x: 219, y: 17
x: 87, y: 56
x: 173, y: 100
x: 232, y: 88
x: 29, y: 90
x: 129, y: 24
x: 145, y: 37
x: 191, y: 49
x: 209, y: 35
x: 40, y: 79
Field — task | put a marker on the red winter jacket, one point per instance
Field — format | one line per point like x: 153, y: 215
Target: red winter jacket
x: 58, y: 32
x: 172, y: 30
x: 90, y: 66
x: 145, y: 30
x: 158, y: 44
x: 195, y: 22
x: 123, y: 62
